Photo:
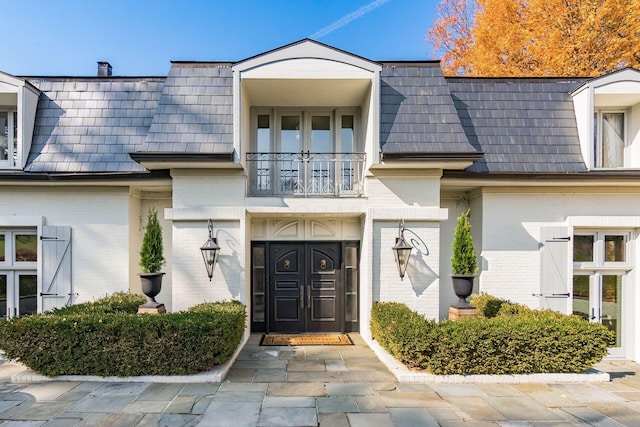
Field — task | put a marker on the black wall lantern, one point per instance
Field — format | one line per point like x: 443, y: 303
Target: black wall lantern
x: 210, y: 251
x: 401, y: 251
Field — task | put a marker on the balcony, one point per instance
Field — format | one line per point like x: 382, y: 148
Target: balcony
x: 306, y: 174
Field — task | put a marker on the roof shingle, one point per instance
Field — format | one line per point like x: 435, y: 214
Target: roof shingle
x: 90, y: 125
x: 417, y: 113
x: 521, y: 125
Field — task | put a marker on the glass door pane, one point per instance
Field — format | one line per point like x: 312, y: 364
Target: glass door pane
x: 320, y: 161
x: 26, y: 247
x: 581, y: 297
x: 27, y: 294
x: 290, y: 141
x: 351, y: 284
x: 583, y: 248
x: 3, y: 296
x: 346, y: 146
x: 263, y: 173
x: 2, y: 248
x: 321, y: 134
x: 290, y: 145
x: 259, y: 280
x: 611, y: 306
x: 614, y: 246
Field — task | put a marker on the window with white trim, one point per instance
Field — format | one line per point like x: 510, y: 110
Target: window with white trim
x: 611, y: 139
x: 601, y: 263
x: 8, y: 137
x: 18, y: 272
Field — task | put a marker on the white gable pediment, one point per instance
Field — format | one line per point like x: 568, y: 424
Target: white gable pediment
x: 622, y: 81
x: 307, y: 50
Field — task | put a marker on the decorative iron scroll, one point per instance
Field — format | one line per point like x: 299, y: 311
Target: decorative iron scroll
x: 416, y: 242
x: 306, y: 174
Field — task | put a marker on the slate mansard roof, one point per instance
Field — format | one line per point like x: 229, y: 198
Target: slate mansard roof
x: 195, y: 112
x: 93, y: 125
x: 90, y: 125
x: 521, y: 125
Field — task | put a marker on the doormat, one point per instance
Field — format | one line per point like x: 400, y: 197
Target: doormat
x: 306, y: 339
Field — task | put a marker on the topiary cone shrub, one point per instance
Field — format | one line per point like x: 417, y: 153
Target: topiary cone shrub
x: 151, y: 253
x: 463, y: 258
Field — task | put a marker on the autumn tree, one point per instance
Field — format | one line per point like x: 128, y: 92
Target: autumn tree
x: 451, y: 33
x: 538, y: 37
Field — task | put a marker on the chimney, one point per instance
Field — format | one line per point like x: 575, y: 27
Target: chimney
x: 104, y: 69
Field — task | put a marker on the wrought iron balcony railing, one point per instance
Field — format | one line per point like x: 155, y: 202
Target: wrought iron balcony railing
x: 306, y: 174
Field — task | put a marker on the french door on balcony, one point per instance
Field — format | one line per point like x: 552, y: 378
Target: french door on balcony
x: 305, y: 153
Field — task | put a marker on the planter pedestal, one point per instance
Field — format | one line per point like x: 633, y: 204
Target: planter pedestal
x: 461, y: 313
x: 152, y: 310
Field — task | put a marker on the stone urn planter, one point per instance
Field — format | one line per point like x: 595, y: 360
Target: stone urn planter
x: 463, y: 287
x: 151, y: 286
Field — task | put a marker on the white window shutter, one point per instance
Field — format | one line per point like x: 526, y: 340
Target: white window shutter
x: 555, y: 268
x: 57, y: 288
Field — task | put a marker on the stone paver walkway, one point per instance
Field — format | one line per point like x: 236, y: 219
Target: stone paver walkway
x: 328, y: 386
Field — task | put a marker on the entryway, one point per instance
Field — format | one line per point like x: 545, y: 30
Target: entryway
x: 304, y: 287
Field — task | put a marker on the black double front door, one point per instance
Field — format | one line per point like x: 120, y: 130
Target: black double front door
x: 305, y: 287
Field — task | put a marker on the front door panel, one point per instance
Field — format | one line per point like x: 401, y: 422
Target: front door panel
x: 287, y: 281
x: 305, y: 287
x: 324, y: 290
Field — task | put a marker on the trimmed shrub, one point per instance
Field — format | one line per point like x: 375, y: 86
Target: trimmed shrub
x: 107, y: 341
x: 517, y: 340
x: 119, y: 302
x: 486, y: 305
x: 405, y: 334
x: 489, y: 306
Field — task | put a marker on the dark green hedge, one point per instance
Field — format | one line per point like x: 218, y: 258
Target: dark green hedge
x: 108, y: 338
x: 405, y: 334
x: 489, y: 306
x: 529, y: 341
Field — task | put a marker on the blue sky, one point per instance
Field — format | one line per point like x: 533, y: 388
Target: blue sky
x: 141, y: 37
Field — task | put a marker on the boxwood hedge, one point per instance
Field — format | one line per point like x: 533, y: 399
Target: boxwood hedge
x: 108, y: 338
x: 517, y: 341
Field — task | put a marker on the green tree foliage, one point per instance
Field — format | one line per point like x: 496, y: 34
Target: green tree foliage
x: 151, y: 253
x: 463, y: 259
x: 518, y: 340
x: 108, y: 338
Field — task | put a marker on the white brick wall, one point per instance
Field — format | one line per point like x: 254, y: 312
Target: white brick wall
x: 406, y: 191
x: 421, y: 285
x: 210, y: 188
x: 511, y: 224
x: 191, y: 284
x: 99, y: 219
